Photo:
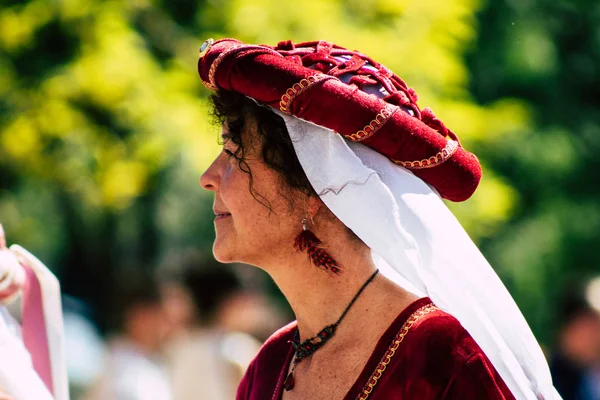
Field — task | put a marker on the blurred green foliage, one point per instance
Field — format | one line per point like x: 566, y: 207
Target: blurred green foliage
x: 105, y: 127
x: 546, y: 53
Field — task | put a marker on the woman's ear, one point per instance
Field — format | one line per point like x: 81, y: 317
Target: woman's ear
x: 314, y: 205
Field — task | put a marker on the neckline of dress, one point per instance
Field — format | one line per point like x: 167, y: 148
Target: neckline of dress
x: 381, y: 347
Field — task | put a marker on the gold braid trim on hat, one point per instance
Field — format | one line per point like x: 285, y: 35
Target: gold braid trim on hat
x: 387, y: 357
x: 212, y: 84
x: 380, y: 119
x: 298, y: 88
x: 432, y: 161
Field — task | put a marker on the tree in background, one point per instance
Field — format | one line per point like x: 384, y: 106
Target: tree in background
x: 546, y: 53
x: 94, y: 120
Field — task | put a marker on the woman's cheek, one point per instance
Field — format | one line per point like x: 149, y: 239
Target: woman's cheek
x: 231, y: 188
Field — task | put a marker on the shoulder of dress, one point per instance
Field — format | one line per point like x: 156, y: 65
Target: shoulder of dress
x: 283, y: 334
x: 424, y: 354
x: 264, y: 370
x: 440, y: 333
x: 278, y: 342
x: 435, y: 318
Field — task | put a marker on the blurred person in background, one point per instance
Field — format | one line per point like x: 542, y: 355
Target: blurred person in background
x: 148, y: 313
x: 210, y: 361
x: 575, y: 363
x: 85, y: 347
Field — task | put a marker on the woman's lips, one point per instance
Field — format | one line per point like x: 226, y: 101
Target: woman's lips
x: 221, y: 216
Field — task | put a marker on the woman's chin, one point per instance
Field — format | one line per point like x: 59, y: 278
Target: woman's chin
x: 222, y: 252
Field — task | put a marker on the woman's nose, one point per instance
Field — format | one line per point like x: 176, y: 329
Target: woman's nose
x: 210, y: 178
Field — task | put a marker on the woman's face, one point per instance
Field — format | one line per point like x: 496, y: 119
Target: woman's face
x: 246, y: 230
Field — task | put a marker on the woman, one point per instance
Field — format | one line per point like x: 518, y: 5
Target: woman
x: 323, y: 215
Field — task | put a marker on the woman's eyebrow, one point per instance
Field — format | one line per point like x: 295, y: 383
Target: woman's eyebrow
x: 225, y: 136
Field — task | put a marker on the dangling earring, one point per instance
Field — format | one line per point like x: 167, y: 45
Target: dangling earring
x: 309, y: 242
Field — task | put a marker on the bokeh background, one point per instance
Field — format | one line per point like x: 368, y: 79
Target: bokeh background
x: 105, y: 129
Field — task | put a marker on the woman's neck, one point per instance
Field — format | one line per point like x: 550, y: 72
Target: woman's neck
x: 319, y: 297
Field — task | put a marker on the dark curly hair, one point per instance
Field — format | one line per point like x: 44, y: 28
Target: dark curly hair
x: 277, y: 149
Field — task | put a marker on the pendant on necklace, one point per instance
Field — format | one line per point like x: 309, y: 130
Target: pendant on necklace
x: 289, y: 382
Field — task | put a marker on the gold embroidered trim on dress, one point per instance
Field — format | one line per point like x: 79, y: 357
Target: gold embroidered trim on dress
x: 297, y: 88
x: 387, y: 357
x: 432, y: 161
x: 380, y: 119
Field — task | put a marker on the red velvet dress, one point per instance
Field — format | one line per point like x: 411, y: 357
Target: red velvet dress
x: 424, y: 354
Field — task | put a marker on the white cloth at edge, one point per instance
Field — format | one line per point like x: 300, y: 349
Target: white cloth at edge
x: 17, y: 376
x: 418, y: 243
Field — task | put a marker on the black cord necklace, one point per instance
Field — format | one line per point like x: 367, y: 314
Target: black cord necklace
x: 310, y: 345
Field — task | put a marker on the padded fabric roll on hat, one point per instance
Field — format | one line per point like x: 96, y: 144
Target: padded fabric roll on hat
x: 350, y: 93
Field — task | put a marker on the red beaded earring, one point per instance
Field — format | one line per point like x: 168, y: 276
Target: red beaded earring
x: 309, y: 242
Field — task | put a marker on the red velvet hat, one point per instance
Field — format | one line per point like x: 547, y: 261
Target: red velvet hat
x: 348, y: 92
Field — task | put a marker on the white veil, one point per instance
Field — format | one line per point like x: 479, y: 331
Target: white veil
x: 417, y: 242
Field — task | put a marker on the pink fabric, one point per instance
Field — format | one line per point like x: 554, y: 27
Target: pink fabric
x: 33, y: 327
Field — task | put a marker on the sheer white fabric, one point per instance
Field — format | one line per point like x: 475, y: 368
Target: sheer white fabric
x: 417, y: 242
